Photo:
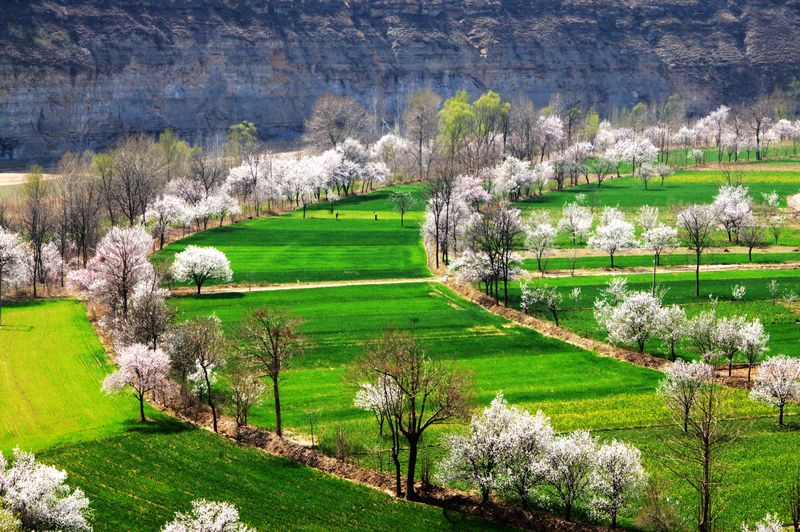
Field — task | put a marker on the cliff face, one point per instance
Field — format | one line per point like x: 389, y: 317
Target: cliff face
x: 77, y: 74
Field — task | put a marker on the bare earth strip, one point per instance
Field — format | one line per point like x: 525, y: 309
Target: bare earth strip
x: 17, y: 178
x: 183, y: 291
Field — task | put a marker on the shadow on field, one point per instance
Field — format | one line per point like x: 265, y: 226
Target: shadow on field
x: 160, y: 424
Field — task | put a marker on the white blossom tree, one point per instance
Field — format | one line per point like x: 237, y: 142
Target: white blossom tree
x: 570, y: 466
x: 539, y: 237
x: 671, y: 327
x: 208, y: 516
x: 613, y: 235
x: 733, y: 209
x: 770, y: 523
x: 37, y: 494
x: 754, y: 343
x: 12, y: 263
x: 199, y: 264
x: 140, y: 368
x: 728, y: 337
x: 618, y: 479
x: 164, y: 212
x: 659, y: 239
x: 681, y: 386
x: 633, y: 320
x: 478, y: 457
x: 576, y: 220
x: 777, y: 383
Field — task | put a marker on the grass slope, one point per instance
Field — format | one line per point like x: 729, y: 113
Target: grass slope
x: 140, y: 479
x: 289, y: 248
x: 51, y: 368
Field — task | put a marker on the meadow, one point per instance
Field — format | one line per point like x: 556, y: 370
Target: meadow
x: 780, y: 320
x: 51, y: 368
x: 685, y: 187
x: 144, y: 477
x: 576, y: 388
x: 291, y: 249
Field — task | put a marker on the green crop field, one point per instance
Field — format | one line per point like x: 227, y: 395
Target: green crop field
x: 577, y: 389
x: 685, y: 187
x: 637, y: 260
x: 779, y: 320
x: 138, y: 475
x: 51, y: 368
x: 289, y: 248
x: 141, y: 479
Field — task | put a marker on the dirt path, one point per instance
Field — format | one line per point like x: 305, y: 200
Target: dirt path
x: 564, y: 253
x: 600, y: 272
x: 184, y: 291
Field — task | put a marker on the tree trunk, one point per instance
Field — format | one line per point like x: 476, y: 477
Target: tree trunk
x: 402, y: 214
x: 211, y: 401
x: 697, y: 275
x: 141, y: 408
x: 198, y: 288
x: 780, y: 415
x: 412, y: 468
x: 276, y: 394
x: 655, y: 264
x: 397, y: 480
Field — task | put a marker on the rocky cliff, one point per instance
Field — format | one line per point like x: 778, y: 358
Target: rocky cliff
x: 77, y: 74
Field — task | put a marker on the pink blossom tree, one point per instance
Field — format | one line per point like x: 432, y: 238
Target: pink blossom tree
x: 141, y: 368
x: 12, y: 263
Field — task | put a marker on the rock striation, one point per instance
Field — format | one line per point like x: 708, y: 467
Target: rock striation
x: 78, y: 74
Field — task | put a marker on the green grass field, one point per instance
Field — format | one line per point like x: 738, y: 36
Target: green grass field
x: 289, y: 248
x: 780, y: 321
x: 673, y: 259
x: 685, y: 187
x: 51, y: 368
x: 575, y: 388
x: 140, y: 479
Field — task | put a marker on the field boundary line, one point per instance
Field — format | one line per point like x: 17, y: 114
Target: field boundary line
x: 235, y: 289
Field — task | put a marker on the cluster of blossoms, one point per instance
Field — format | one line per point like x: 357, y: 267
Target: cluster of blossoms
x: 508, y: 449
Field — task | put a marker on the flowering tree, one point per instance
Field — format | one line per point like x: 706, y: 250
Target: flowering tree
x: 613, y: 235
x: 164, y: 212
x: 732, y: 208
x: 701, y: 334
x: 247, y: 389
x: 570, y: 466
x: 383, y: 398
x: 37, y: 495
x: 539, y: 237
x: 697, y: 223
x: 770, y: 523
x: 141, y: 368
x: 633, y: 321
x: 617, y: 479
x: 671, y: 327
x: 728, y: 337
x: 12, y: 263
x: 478, y: 457
x: 198, y: 265
x: 208, y: 516
x: 119, y: 264
x: 681, y: 385
x: 777, y: 383
x: 754, y: 343
x: 658, y: 239
x: 576, y: 219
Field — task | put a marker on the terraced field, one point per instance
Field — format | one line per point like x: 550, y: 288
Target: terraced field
x: 290, y: 248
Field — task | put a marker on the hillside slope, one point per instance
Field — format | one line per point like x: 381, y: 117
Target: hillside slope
x: 79, y: 73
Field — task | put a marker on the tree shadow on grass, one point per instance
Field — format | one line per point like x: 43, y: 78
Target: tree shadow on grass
x: 157, y: 423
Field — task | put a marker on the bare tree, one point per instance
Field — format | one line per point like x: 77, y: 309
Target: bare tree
x: 421, y: 126
x: 431, y: 392
x: 698, y: 454
x: 204, y: 343
x: 522, y: 131
x: 270, y: 339
x: 205, y: 170
x: 759, y: 114
x: 138, y: 175
x: 36, y: 216
x: 335, y: 118
x: 697, y: 222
